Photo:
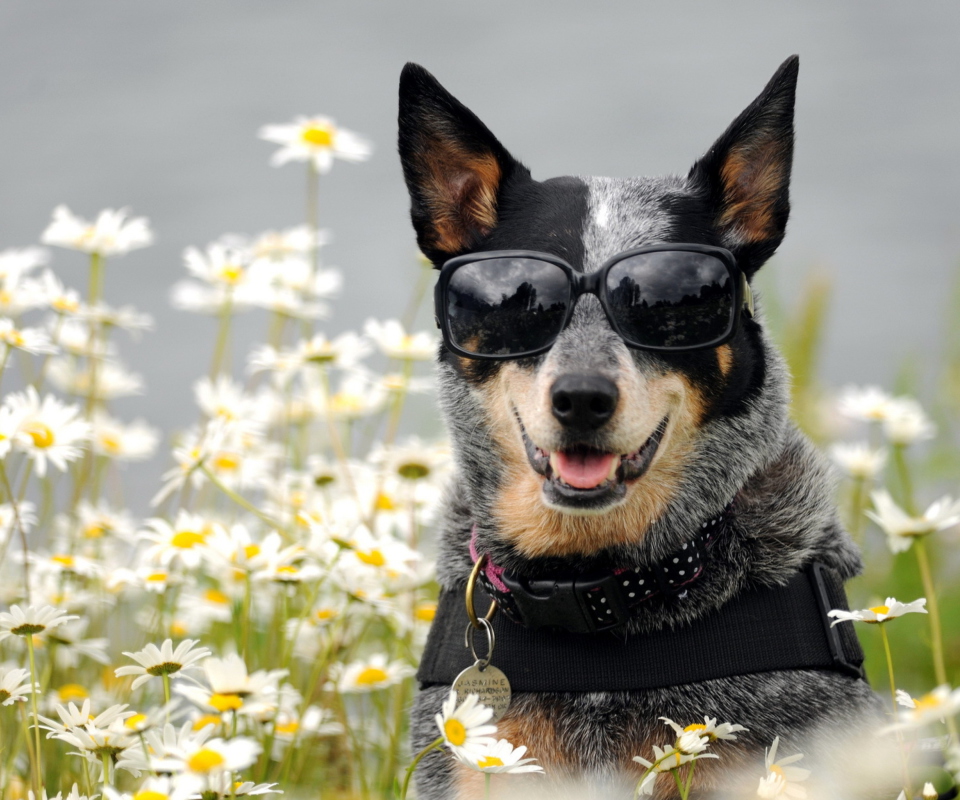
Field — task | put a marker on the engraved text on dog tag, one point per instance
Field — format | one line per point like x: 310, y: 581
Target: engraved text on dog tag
x: 489, y: 684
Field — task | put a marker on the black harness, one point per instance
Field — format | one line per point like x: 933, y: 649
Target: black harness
x: 564, y: 635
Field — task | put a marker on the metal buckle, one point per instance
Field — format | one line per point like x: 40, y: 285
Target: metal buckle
x: 587, y: 604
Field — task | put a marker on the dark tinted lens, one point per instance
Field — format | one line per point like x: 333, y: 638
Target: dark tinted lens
x: 671, y: 298
x: 506, y: 306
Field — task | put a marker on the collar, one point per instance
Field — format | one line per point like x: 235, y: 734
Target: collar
x: 599, y: 600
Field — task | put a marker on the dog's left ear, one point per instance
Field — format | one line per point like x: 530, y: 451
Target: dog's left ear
x: 455, y: 168
x: 747, y: 172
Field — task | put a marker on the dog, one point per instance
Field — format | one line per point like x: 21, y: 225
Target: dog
x: 590, y: 441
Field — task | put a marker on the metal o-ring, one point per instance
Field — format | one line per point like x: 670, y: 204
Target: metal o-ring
x: 484, y: 662
x: 471, y: 582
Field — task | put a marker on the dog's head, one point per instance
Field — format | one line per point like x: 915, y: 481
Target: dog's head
x: 593, y: 444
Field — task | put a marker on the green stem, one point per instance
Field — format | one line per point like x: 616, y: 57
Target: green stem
x: 243, y: 502
x: 33, y: 702
x: 676, y: 780
x: 6, y: 357
x: 96, y: 278
x: 223, y: 336
x: 893, y: 699
x: 933, y: 607
x: 486, y: 785
x: 31, y: 754
x: 166, y: 688
x: 436, y: 745
x: 858, y: 494
x: 15, y: 505
x: 105, y: 757
x: 903, y: 475
x: 689, y: 781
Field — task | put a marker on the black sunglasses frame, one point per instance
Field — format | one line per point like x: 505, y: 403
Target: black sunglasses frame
x: 592, y: 283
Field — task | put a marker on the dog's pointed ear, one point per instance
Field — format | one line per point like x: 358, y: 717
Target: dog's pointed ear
x: 454, y: 167
x: 747, y: 172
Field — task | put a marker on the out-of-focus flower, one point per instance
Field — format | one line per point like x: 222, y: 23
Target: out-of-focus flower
x: 372, y: 674
x: 135, y: 441
x: 183, y: 541
x: 31, y: 620
x: 47, y: 429
x: 15, y: 685
x: 220, y: 265
x: 859, y: 460
x: 233, y: 689
x: 156, y: 662
x: 30, y: 340
x: 395, y: 342
x: 890, y: 609
x: 15, y: 262
x: 112, y: 234
x: 932, y: 707
x: 869, y: 403
x: 902, y: 528
x: 782, y: 778
x: 107, y: 381
x: 316, y: 139
x: 464, y: 727
x: 503, y: 757
x: 906, y: 423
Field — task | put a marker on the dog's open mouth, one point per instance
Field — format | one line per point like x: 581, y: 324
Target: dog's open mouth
x: 584, y: 477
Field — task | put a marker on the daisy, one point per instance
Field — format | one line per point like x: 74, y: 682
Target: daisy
x: 225, y: 786
x: 502, y: 757
x: 135, y: 441
x: 57, y: 296
x: 666, y: 759
x: 781, y: 777
x: 901, y: 528
x: 932, y: 707
x: 412, y: 460
x: 48, y: 429
x: 869, y: 404
x: 233, y: 689
x: 18, y: 261
x: 125, y: 318
x: 315, y: 139
x: 31, y: 620
x: 212, y: 758
x: 372, y: 674
x: 162, y: 661
x: 112, y: 234
x: 394, y: 342
x: 30, y: 340
x: 890, y: 609
x: 463, y: 727
x: 278, y: 246
x: 691, y: 739
x: 219, y: 265
x: 183, y: 541
x: 859, y: 460
x: 108, y: 381
x: 708, y: 730
x: 15, y: 685
x: 906, y: 423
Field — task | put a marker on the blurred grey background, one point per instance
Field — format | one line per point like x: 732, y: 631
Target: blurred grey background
x: 155, y: 106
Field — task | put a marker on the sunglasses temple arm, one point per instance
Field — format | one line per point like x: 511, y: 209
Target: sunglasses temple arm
x: 747, y: 296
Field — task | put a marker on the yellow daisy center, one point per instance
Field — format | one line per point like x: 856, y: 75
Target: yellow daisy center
x: 778, y: 771
x: 317, y: 136
x: 110, y: 443
x: 880, y: 609
x: 372, y: 557
x: 287, y: 727
x: 64, y: 561
x: 927, y: 701
x: 226, y: 461
x: 14, y: 337
x: 215, y: 596
x: 64, y: 304
x: 146, y: 794
x: 425, y: 612
x: 231, y: 273
x: 489, y: 761
x: 413, y: 471
x: 187, y: 539
x: 384, y: 503
x: 72, y: 692
x: 42, y: 435
x: 695, y: 727
x: 206, y: 719
x: 178, y: 628
x: 226, y: 702
x: 325, y: 614
x: 371, y: 676
x: 156, y: 577
x: 135, y: 720
x: 251, y: 550
x: 454, y: 731
x: 205, y: 760
x: 94, y: 530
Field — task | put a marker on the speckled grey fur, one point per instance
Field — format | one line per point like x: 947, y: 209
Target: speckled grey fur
x: 784, y: 518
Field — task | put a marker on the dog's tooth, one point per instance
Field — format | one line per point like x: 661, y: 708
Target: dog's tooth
x: 614, y: 466
x: 553, y: 462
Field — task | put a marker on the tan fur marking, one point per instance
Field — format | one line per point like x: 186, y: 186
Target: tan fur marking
x: 538, y: 530
x: 725, y: 359
x: 461, y: 189
x: 752, y: 177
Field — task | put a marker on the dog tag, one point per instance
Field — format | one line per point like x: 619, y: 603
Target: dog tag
x: 488, y: 683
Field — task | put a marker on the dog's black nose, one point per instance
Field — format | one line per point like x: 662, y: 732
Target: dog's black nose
x: 583, y: 402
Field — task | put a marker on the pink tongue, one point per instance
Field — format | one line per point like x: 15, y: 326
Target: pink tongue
x: 583, y: 470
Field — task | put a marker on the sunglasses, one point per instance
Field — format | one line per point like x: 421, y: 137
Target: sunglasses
x: 515, y: 303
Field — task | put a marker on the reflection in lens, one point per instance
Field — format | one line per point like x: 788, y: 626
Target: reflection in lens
x: 506, y: 306
x: 671, y: 298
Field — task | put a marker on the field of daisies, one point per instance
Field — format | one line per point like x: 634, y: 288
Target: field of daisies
x: 259, y: 630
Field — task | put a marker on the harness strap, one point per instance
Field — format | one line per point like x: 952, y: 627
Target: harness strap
x: 765, y: 629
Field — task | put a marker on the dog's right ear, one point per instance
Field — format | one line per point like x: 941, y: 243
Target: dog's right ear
x: 454, y: 167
